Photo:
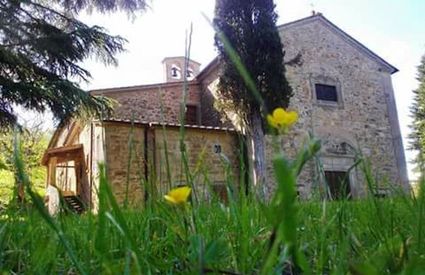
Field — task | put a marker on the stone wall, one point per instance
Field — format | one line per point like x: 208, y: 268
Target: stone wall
x: 125, y: 160
x: 152, y: 103
x: 209, y: 152
x: 360, y: 118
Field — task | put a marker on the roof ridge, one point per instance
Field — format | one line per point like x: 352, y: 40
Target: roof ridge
x: 348, y: 38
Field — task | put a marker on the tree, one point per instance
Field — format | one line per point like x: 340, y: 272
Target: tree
x: 417, y: 136
x: 250, y: 29
x: 42, y: 45
x: 34, y: 141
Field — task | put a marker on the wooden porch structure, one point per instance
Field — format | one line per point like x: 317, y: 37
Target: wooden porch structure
x: 65, y: 170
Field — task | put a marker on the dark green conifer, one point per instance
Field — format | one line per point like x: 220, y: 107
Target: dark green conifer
x: 42, y: 47
x: 250, y: 28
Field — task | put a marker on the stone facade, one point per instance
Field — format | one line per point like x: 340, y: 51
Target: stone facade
x: 145, y: 169
x: 209, y: 153
x: 152, y: 103
x: 362, y: 120
x: 124, y: 156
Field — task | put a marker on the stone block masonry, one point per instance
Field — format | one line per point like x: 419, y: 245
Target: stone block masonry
x: 137, y: 157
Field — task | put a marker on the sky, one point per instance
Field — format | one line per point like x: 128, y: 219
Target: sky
x: 393, y: 29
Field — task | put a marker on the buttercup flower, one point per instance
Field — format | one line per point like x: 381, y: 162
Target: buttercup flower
x: 178, y: 195
x: 281, y: 119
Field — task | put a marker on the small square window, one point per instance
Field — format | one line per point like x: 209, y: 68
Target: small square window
x: 326, y: 92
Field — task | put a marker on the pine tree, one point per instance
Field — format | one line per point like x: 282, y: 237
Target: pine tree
x: 42, y: 46
x: 250, y: 28
x: 417, y: 137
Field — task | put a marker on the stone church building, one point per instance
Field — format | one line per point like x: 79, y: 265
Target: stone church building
x: 342, y: 92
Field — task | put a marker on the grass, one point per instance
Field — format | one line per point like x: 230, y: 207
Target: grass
x: 336, y: 238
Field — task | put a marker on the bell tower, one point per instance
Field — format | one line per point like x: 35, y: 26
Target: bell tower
x: 174, y: 69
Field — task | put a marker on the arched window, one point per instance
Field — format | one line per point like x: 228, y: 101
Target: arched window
x: 189, y: 73
x: 175, y: 72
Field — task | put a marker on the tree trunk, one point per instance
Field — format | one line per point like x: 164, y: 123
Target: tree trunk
x: 19, y: 191
x: 257, y: 154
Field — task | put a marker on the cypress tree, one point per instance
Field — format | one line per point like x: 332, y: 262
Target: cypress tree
x: 250, y: 28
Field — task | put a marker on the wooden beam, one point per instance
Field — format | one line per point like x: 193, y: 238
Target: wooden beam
x: 65, y: 153
x: 51, y: 180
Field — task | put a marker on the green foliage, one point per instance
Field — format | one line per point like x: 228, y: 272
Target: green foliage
x: 41, y: 48
x: 417, y: 137
x: 249, y: 27
x: 336, y: 238
x: 103, y: 6
x: 34, y: 142
x: 7, y: 184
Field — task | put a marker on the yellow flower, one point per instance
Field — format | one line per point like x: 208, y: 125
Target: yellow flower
x: 178, y: 195
x: 281, y: 119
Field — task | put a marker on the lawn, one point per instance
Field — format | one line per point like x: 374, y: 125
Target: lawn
x: 371, y: 236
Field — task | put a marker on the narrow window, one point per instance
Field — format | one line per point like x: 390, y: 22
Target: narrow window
x: 326, y: 92
x: 175, y: 72
x: 191, y: 115
x: 217, y: 149
x: 189, y: 73
x: 338, y: 183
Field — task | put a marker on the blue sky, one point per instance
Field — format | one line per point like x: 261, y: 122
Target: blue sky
x: 394, y: 29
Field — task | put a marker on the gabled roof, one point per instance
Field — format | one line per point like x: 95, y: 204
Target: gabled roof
x: 345, y: 36
x: 211, y: 66
x: 335, y: 29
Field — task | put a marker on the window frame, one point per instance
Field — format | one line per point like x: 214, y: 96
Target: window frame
x: 325, y: 90
x: 177, y: 70
x: 197, y: 113
x: 338, y: 194
x: 341, y: 163
x: 324, y: 80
